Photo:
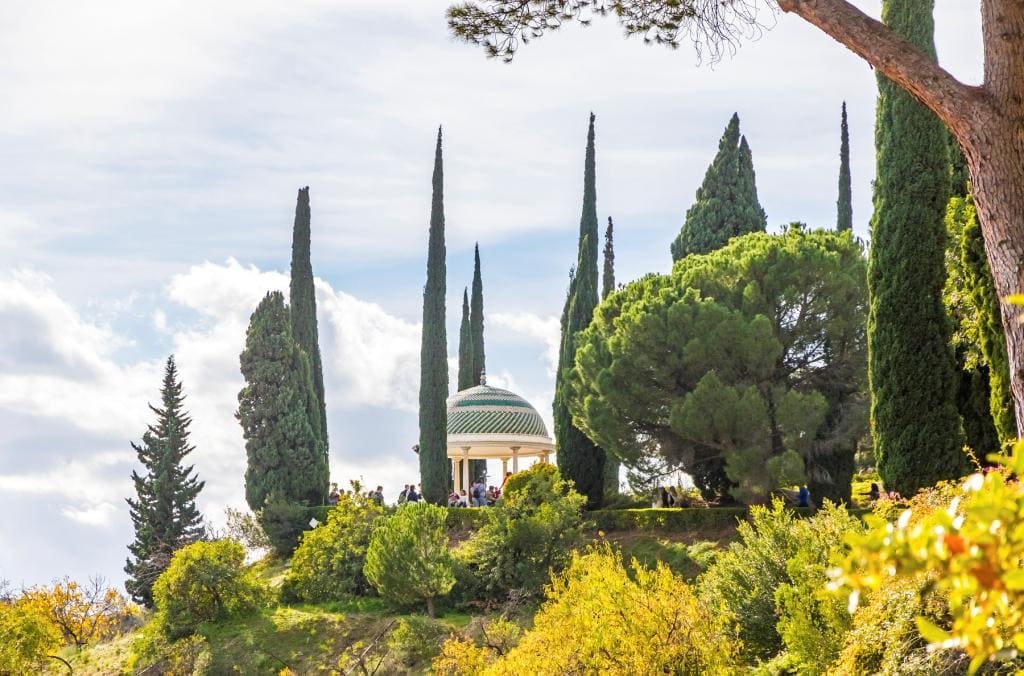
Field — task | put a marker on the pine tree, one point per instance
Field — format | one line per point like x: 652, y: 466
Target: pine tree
x: 164, y: 511
x: 611, y: 463
x: 916, y: 426
x: 579, y: 459
x: 466, y: 377
x: 302, y: 299
x: 727, y: 204
x: 279, y: 413
x: 844, y: 205
x: 433, y: 446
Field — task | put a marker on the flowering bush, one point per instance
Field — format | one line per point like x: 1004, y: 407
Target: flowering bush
x: 973, y: 552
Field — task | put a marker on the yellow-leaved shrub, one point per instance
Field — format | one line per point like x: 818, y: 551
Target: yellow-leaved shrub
x: 600, y: 617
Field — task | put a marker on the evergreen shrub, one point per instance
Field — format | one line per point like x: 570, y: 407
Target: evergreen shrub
x: 328, y: 563
x: 529, y: 532
x: 408, y: 560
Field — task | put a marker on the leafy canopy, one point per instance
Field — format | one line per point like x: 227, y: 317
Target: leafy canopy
x: 328, y: 563
x: 408, y: 558
x: 752, y: 355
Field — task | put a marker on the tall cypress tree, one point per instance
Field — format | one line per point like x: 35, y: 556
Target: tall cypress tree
x: 916, y: 427
x: 433, y: 447
x: 279, y: 413
x: 476, y: 317
x: 608, y: 273
x: 302, y: 299
x: 727, y: 204
x: 466, y: 378
x: 844, y: 205
x: 477, y: 468
x: 611, y: 463
x: 164, y: 510
x: 579, y: 459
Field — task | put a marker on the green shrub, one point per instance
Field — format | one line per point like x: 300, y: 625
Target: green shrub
x: 206, y: 582
x: 328, y: 563
x: 466, y: 518
x: 744, y: 578
x: 417, y: 640
x: 408, y: 558
x: 813, y: 623
x: 283, y: 522
x: 529, y: 533
x: 667, y: 520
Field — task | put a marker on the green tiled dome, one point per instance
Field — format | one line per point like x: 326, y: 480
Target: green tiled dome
x: 486, y: 410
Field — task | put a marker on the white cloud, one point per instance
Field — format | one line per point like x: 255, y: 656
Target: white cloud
x: 547, y: 330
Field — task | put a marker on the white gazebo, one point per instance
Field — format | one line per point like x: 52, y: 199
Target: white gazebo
x: 488, y: 423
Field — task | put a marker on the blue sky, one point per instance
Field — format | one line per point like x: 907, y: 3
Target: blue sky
x: 152, y: 153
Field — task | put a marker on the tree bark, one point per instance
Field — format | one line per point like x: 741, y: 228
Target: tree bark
x: 986, y: 120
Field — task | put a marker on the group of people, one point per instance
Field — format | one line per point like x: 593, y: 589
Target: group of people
x: 672, y: 497
x: 479, y: 496
x: 335, y: 495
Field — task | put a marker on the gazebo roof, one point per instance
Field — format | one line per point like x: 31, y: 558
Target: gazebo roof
x: 490, y: 420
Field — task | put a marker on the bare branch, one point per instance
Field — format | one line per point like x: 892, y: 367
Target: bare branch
x: 714, y: 28
x: 894, y: 56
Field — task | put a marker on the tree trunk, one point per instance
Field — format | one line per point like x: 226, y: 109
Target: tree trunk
x: 996, y: 160
x: 431, y: 612
x: 988, y: 121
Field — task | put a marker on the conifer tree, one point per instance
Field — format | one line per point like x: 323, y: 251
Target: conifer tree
x: 611, y: 463
x: 433, y: 446
x: 844, y: 205
x: 279, y: 413
x: 608, y: 273
x: 477, y: 468
x: 727, y: 204
x: 466, y: 377
x: 579, y: 459
x: 302, y: 299
x: 916, y: 427
x: 164, y: 511
x: 476, y: 317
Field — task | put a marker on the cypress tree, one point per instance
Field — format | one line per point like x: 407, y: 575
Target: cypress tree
x: 844, y: 205
x: 727, y: 204
x: 477, y: 468
x: 916, y: 427
x: 164, y: 511
x: 433, y: 446
x: 579, y: 459
x: 611, y: 463
x: 476, y: 317
x: 279, y: 413
x: 608, y: 273
x: 466, y: 378
x: 302, y: 299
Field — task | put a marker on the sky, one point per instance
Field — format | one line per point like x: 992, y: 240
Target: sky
x: 151, y: 157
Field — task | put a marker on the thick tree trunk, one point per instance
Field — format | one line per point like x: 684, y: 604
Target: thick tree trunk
x: 996, y: 160
x: 988, y: 121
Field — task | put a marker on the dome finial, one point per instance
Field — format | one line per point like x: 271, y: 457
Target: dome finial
x: 483, y: 377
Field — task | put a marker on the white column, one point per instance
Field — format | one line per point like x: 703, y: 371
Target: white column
x: 515, y: 459
x: 465, y: 469
x: 455, y: 474
x: 504, y: 468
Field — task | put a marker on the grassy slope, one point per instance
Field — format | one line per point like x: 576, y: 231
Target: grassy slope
x: 313, y: 638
